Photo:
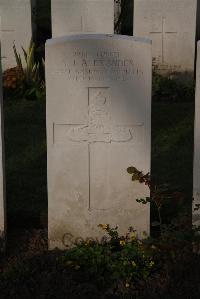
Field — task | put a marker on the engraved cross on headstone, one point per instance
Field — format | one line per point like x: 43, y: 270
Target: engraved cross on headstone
x: 163, y: 32
x: 84, y: 24
x: 100, y: 126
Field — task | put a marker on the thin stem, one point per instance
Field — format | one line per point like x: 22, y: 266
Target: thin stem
x: 160, y: 218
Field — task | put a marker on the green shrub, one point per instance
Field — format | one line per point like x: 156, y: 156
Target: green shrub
x: 32, y: 86
x: 118, y: 263
x: 173, y: 89
x: 179, y: 234
x: 160, y: 194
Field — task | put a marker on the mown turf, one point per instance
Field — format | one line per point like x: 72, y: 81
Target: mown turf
x: 25, y: 148
x: 172, y: 151
x: 172, y: 144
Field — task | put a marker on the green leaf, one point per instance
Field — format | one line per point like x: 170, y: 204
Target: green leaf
x: 134, y: 177
x: 131, y: 170
x: 17, y: 57
x: 138, y: 200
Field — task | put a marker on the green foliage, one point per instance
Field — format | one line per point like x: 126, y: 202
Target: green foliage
x: 176, y: 241
x: 172, y: 154
x: 32, y: 86
x: 118, y: 263
x: 172, y: 89
x: 159, y: 193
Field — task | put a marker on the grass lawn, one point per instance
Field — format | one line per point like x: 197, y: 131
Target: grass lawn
x: 172, y: 144
x: 172, y: 149
x: 25, y: 144
x: 25, y: 148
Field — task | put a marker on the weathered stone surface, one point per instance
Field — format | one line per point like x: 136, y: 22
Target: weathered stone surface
x: 98, y: 124
x: 82, y: 16
x: 15, y: 28
x: 171, y: 25
x: 196, y: 180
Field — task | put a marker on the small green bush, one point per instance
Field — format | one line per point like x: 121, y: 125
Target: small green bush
x: 179, y: 234
x: 172, y: 89
x: 119, y: 263
x: 30, y: 86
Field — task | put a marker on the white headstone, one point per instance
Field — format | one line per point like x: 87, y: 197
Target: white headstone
x: 82, y: 16
x: 16, y: 28
x: 2, y: 175
x: 171, y: 25
x: 98, y: 124
x: 196, y: 177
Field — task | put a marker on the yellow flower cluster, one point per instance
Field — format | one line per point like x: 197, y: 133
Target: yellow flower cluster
x: 152, y: 263
x: 133, y: 264
x: 133, y: 236
x: 144, y: 235
x: 122, y: 242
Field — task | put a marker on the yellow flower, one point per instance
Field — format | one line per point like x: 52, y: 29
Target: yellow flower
x: 133, y: 236
x: 144, y: 235
x: 127, y: 285
x: 151, y: 264
x: 122, y: 242
x: 133, y: 264
x: 103, y: 226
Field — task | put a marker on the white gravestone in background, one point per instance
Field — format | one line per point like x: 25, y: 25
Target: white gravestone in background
x: 171, y: 25
x: 98, y: 124
x: 196, y: 180
x: 2, y: 175
x: 82, y: 16
x: 16, y: 28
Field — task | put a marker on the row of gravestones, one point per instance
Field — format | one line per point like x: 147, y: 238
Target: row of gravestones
x: 99, y: 108
x: 171, y: 24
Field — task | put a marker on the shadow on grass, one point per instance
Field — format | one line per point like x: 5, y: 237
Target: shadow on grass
x: 172, y: 149
x: 25, y: 147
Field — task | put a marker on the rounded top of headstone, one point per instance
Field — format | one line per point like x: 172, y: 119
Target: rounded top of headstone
x: 66, y: 38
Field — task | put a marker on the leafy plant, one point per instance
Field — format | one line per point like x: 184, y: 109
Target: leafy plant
x: 32, y: 84
x: 159, y: 193
x: 176, y: 239
x: 172, y: 89
x: 118, y: 263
